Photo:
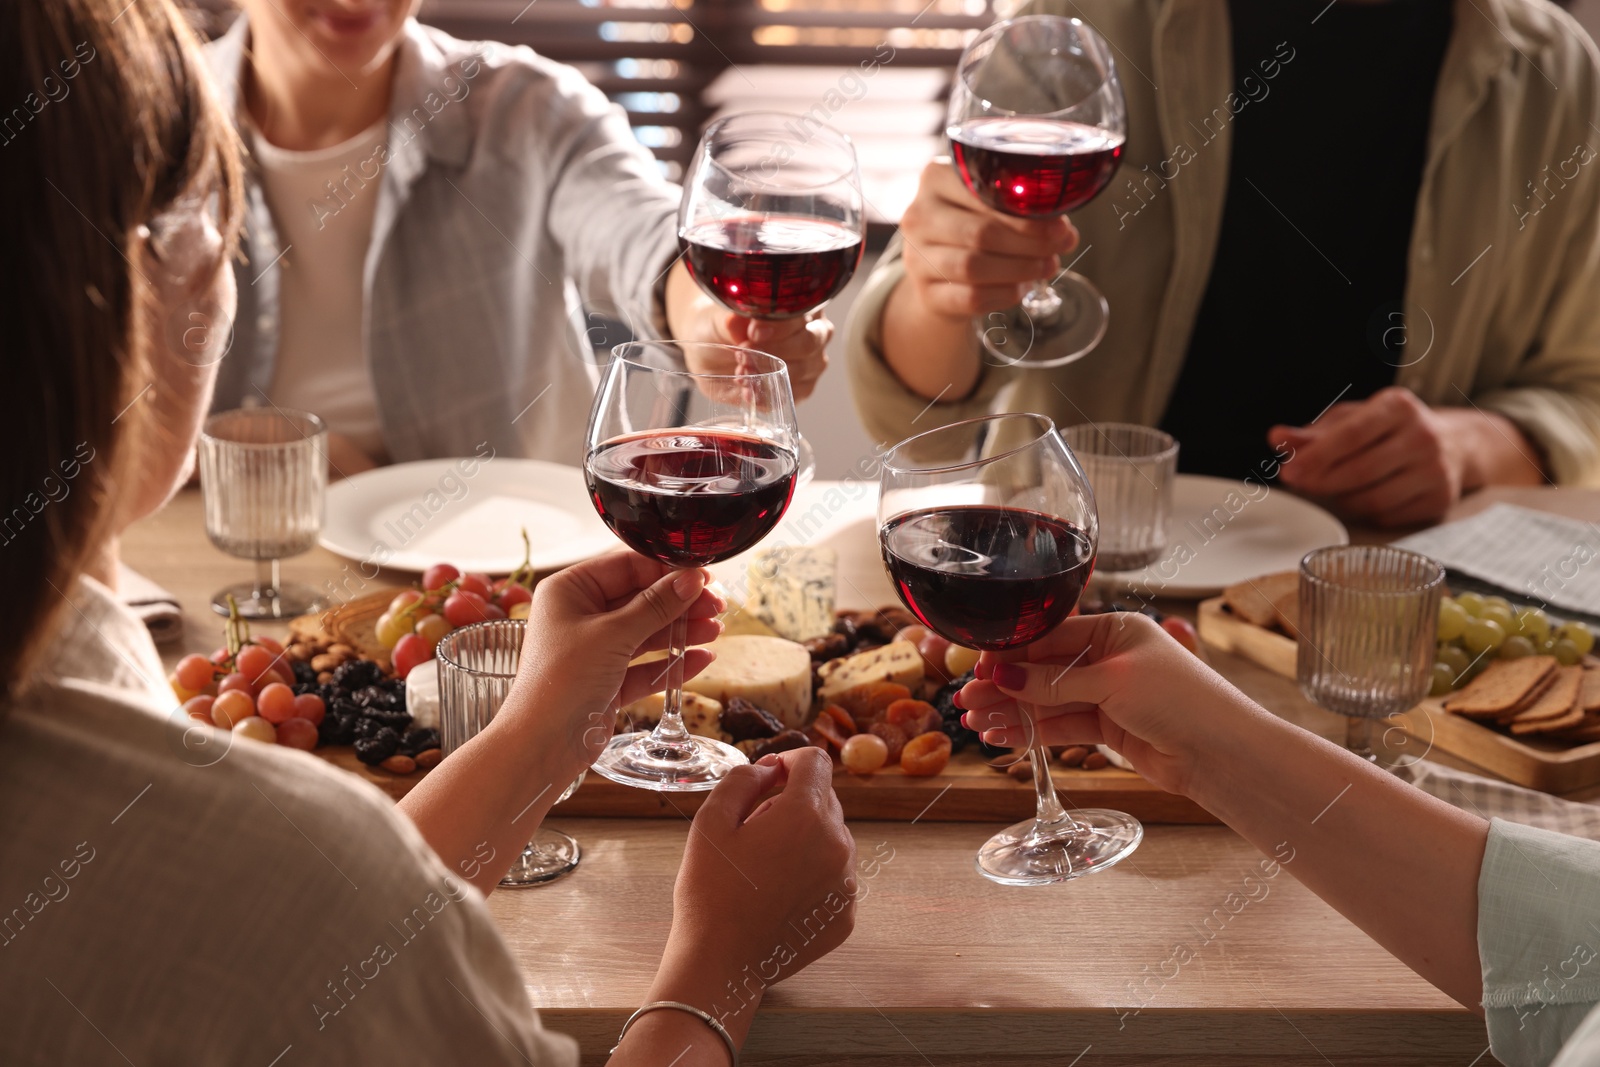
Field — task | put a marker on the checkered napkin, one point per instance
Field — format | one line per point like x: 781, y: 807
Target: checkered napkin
x: 1491, y: 799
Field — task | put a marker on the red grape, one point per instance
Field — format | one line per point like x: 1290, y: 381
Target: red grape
x: 254, y: 661
x: 1183, y: 631
x: 514, y: 595
x: 195, y: 672
x: 310, y: 707
x: 271, y: 644
x: 199, y: 708
x: 257, y: 729
x: 232, y: 707
x: 464, y: 609
x: 298, y: 733
x: 408, y: 652
x: 276, y: 703
x: 474, y: 583
x: 439, y: 575
x: 237, y: 683
x: 221, y: 657
x: 494, y: 611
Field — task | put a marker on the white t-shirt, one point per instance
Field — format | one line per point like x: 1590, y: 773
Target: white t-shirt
x: 323, y: 203
x: 168, y: 899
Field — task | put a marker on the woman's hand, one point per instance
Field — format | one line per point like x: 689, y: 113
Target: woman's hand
x: 1116, y: 679
x: 801, y: 343
x: 585, y: 625
x: 766, y: 887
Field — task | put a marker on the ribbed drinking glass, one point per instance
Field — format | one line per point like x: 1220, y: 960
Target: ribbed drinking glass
x: 1132, y: 469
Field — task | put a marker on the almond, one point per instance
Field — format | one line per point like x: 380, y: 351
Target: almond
x: 398, y: 764
x: 429, y: 757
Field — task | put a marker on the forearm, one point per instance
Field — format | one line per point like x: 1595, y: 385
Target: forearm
x: 707, y: 978
x: 934, y: 355
x: 1494, y: 450
x: 1401, y: 865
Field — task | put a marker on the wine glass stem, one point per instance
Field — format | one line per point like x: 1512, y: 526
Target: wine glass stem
x: 266, y: 579
x: 1358, y: 737
x: 1041, y: 301
x: 1050, y: 812
x: 670, y: 729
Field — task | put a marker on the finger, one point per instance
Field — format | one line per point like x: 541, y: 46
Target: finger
x: 976, y: 267
x: 1396, y: 461
x: 733, y: 799
x: 810, y: 777
x: 1340, y: 438
x: 1079, y: 728
x: 700, y: 632
x: 642, y: 679
x: 613, y: 579
x: 962, y: 301
x: 1046, y: 685
x: 773, y: 331
x: 1398, y: 497
x: 656, y: 606
x: 968, y: 222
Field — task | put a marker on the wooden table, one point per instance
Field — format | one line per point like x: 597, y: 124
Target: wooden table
x: 946, y: 967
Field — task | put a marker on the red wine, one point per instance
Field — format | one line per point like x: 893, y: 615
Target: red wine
x: 690, y: 497
x: 1034, y: 167
x: 985, y: 577
x: 771, y: 267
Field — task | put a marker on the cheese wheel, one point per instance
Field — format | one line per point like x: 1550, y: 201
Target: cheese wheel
x: 769, y: 672
x: 896, y: 662
x: 702, y: 716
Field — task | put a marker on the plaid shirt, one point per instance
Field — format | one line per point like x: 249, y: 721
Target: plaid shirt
x: 515, y: 210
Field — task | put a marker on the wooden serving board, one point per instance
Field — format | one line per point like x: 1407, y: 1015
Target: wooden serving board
x: 1549, y: 766
x: 968, y: 791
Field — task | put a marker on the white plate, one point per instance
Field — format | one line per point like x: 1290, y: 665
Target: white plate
x: 1223, y: 532
x: 413, y: 515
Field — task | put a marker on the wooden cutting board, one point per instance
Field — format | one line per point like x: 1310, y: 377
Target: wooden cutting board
x: 1549, y: 766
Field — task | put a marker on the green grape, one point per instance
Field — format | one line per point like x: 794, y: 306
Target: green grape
x: 1567, y: 653
x: 1534, y: 623
x: 1483, y: 635
x: 1444, y: 679
x: 1472, y: 602
x: 1497, y: 602
x: 1453, y: 656
x: 1502, y: 615
x: 1547, y: 646
x: 1516, y: 647
x: 1452, y: 620
x: 390, y: 629
x: 1580, y: 635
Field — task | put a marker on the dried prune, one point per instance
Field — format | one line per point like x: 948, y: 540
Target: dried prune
x: 829, y: 646
x: 785, y: 741
x: 378, y: 747
x: 374, y: 696
x: 417, y: 739
x: 303, y: 674
x: 743, y: 721
x: 356, y: 674
x: 337, y: 729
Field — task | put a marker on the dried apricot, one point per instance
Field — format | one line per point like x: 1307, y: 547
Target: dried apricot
x: 829, y: 730
x: 892, y: 736
x: 864, y: 753
x: 842, y: 717
x: 913, y: 716
x: 926, y: 754
x: 866, y: 703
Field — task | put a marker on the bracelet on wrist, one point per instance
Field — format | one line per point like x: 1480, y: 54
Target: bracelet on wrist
x: 705, y: 1017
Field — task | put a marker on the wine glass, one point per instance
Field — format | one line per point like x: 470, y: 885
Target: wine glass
x: 771, y: 222
x: 477, y: 665
x: 993, y: 554
x: 263, y: 479
x: 688, y: 468
x: 1037, y: 125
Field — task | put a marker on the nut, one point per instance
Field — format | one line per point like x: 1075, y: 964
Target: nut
x: 325, y: 678
x: 327, y: 661
x: 1073, y: 756
x: 1094, y: 761
x: 399, y: 764
x: 341, y: 650
x: 1022, y: 770
x: 299, y: 652
x: 429, y: 757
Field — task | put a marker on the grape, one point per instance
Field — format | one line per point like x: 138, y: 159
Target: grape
x: 1444, y: 679
x: 1496, y: 602
x: 959, y: 661
x: 512, y: 595
x: 1534, y: 623
x: 439, y: 575
x: 464, y: 609
x: 1183, y: 631
x: 276, y: 703
x: 271, y: 644
x: 1566, y: 652
x: 473, y: 583
x: 1471, y: 603
x: 914, y: 634
x: 1455, y: 657
x: 232, y: 707
x: 194, y: 673
x: 389, y: 629
x: 410, y: 651
x: 864, y: 753
x: 298, y: 733
x: 1452, y: 620
x: 1502, y: 615
x: 1580, y: 635
x: 237, y: 683
x: 1516, y: 647
x: 1482, y: 635
x: 519, y: 611
x: 311, y: 708
x: 494, y: 611
x: 256, y: 729
x: 403, y: 599
x: 432, y: 628
x: 254, y: 661
x: 199, y: 708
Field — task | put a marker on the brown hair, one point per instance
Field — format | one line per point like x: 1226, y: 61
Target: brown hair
x: 106, y: 119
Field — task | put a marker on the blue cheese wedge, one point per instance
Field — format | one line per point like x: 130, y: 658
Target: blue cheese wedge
x: 792, y: 590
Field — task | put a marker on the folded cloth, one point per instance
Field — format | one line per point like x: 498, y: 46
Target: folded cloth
x: 157, y: 608
x: 1493, y: 799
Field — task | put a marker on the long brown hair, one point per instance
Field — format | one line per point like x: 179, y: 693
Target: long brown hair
x: 106, y: 120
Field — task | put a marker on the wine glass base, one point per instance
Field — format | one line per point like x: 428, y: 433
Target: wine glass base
x: 633, y: 759
x: 1020, y: 855
x: 292, y: 599
x: 1015, y: 338
x: 550, y: 855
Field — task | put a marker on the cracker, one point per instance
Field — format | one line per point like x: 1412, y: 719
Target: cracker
x: 1286, y: 606
x: 1559, y: 701
x: 1546, y: 726
x: 1251, y: 600
x: 1502, y: 687
x: 1589, y: 692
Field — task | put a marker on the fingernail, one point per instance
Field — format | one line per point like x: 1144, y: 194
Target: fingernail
x: 769, y: 760
x: 688, y: 583
x: 1010, y: 676
x: 955, y: 698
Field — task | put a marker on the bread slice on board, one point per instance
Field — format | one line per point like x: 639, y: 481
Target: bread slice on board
x: 1256, y: 600
x: 1503, y: 687
x: 1556, y: 708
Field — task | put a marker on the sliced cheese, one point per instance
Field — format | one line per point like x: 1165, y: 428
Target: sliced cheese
x: 896, y: 662
x: 422, y: 696
x: 792, y: 590
x: 769, y: 672
x: 702, y: 716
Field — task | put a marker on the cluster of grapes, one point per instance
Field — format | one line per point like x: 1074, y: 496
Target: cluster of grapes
x: 1475, y: 629
x: 418, y: 618
x: 250, y: 691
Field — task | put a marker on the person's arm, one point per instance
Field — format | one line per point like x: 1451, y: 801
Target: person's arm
x: 1401, y: 865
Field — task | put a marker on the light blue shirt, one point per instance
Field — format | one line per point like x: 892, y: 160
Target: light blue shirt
x: 515, y: 209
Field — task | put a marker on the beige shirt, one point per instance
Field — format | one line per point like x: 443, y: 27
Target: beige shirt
x: 323, y: 203
x: 167, y: 899
x: 1503, y: 276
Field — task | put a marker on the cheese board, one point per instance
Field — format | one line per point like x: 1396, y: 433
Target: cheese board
x: 1550, y: 766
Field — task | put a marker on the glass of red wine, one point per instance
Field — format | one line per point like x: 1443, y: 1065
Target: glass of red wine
x: 771, y: 222
x: 688, y: 468
x: 1037, y: 125
x: 992, y: 554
